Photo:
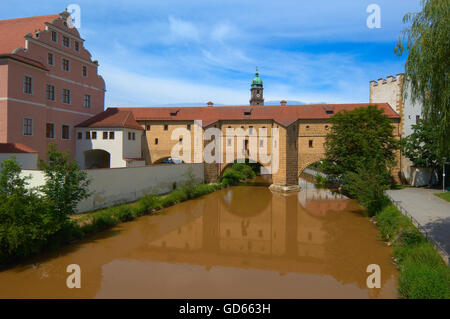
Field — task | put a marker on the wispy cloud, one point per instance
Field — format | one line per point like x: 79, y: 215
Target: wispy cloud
x: 161, y: 52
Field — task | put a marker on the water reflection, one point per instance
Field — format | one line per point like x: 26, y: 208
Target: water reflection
x: 239, y: 242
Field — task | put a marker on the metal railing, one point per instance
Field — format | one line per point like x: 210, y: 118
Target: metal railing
x: 421, y: 228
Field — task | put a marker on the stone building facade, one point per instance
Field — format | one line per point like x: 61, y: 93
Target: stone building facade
x: 301, y: 133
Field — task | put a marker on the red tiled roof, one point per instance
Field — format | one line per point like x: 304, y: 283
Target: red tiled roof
x: 112, y: 117
x: 24, y: 60
x: 13, y: 31
x: 15, y: 148
x: 284, y: 115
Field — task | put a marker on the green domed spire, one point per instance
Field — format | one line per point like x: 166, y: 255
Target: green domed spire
x: 257, y: 82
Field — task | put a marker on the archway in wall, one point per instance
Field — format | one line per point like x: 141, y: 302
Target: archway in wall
x: 97, y: 159
x: 255, y: 166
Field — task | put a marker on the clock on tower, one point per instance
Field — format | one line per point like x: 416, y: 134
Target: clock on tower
x: 256, y: 90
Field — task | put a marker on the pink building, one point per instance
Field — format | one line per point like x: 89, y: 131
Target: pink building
x: 48, y: 82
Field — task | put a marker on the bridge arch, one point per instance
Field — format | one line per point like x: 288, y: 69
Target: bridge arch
x: 162, y: 159
x: 224, y: 166
x: 312, y: 158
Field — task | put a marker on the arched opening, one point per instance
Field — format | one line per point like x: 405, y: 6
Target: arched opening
x: 97, y: 159
x: 311, y: 171
x: 256, y: 167
x: 168, y: 160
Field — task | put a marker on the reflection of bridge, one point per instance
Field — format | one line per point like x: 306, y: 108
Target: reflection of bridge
x: 282, y: 234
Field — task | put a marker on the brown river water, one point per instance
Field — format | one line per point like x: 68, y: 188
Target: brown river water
x: 240, y: 242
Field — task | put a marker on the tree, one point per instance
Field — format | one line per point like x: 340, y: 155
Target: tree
x: 357, y: 139
x: 428, y: 65
x: 24, y: 223
x: 65, y: 186
x: 421, y: 147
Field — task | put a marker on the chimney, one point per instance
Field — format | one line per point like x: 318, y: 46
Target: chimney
x: 283, y: 103
x: 210, y: 103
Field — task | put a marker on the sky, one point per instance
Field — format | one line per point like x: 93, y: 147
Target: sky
x: 169, y: 52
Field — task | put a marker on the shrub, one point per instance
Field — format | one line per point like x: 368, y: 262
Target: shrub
x: 123, y: 213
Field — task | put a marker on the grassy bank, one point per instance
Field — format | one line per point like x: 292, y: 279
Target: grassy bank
x: 444, y: 196
x: 423, y: 274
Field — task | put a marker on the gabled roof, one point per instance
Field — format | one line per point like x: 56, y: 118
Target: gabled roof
x: 24, y: 60
x: 112, y: 117
x: 13, y: 31
x: 284, y: 115
x: 15, y: 148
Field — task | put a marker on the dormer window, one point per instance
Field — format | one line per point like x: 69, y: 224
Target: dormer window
x: 248, y: 112
x: 174, y: 113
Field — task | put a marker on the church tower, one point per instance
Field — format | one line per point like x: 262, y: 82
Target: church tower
x: 256, y: 90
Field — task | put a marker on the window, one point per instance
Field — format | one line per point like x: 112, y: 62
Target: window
x: 85, y: 71
x: 54, y: 36
x: 148, y: 127
x: 66, y: 96
x: 189, y: 127
x: 80, y: 135
x: 310, y: 143
x: 261, y: 143
x: 229, y: 142
x: 27, y: 84
x: 87, y: 101
x: 77, y: 46
x: 50, y: 92
x: 156, y: 141
x: 88, y: 135
x: 307, y: 127
x: 94, y: 135
x: 417, y: 119
x: 250, y: 129
x: 180, y: 141
x: 65, y: 132
x: 66, y: 65
x: 327, y: 127
x: 27, y: 127
x: 50, y: 130
x: 111, y: 135
x: 66, y: 42
x: 105, y: 135
x: 50, y: 60
x: 166, y: 127
x: 131, y: 136
x: 134, y: 136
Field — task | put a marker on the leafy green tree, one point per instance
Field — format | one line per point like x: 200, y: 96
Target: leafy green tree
x: 421, y: 147
x: 367, y: 185
x: 358, y: 138
x: 428, y: 64
x: 24, y: 223
x: 65, y: 186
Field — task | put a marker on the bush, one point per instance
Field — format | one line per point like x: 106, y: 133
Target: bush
x: 123, y: 213
x: 367, y: 185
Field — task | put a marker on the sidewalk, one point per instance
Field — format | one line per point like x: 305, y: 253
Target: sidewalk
x: 430, y: 212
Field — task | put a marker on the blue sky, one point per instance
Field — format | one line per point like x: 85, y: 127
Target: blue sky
x: 167, y: 52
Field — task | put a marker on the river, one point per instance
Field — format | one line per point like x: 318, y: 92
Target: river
x: 239, y: 242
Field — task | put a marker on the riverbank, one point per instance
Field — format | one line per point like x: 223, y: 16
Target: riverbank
x: 423, y: 273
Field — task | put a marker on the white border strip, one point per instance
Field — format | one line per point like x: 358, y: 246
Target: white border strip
x: 74, y: 82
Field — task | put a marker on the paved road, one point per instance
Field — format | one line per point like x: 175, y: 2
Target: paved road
x: 432, y: 212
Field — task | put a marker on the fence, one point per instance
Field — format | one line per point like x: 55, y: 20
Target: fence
x: 421, y: 228
x: 112, y: 186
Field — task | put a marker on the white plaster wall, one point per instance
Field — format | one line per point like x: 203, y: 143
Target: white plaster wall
x: 25, y: 160
x: 411, y: 110
x: 132, y: 148
x: 113, y: 147
x: 112, y: 186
